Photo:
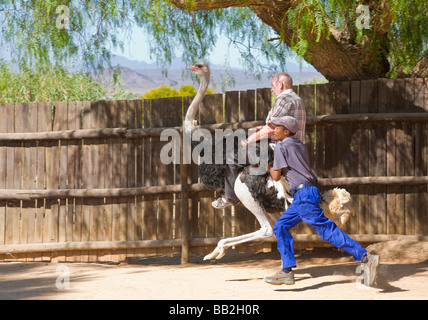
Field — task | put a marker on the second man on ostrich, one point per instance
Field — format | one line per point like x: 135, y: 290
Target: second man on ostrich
x: 287, y: 103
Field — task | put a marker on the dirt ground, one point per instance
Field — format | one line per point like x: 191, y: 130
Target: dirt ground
x: 322, y: 273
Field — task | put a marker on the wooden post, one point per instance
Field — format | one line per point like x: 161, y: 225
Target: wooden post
x: 185, y: 247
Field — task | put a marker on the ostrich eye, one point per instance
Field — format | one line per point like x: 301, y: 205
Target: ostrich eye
x: 199, y: 66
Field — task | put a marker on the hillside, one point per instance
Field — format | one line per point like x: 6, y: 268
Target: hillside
x: 140, y: 77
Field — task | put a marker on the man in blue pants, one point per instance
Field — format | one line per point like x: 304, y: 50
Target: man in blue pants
x: 291, y: 160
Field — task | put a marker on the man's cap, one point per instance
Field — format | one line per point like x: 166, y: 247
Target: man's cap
x: 289, y: 122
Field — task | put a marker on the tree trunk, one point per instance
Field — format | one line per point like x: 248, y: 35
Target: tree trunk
x: 336, y: 57
x: 421, y: 68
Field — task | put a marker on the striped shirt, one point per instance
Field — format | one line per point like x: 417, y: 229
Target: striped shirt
x: 288, y: 103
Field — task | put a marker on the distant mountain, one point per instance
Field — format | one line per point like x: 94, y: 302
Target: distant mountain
x: 140, y: 77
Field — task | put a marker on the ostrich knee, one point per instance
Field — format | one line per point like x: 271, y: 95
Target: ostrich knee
x: 267, y: 231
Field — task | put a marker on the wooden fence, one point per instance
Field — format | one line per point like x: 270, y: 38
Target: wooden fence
x: 83, y: 181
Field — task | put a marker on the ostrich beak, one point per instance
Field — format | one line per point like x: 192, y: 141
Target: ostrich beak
x: 192, y: 68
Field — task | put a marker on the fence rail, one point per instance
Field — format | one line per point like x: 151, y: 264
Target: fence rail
x: 83, y: 181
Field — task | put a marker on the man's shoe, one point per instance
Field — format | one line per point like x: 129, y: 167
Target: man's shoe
x: 370, y: 269
x: 281, y: 278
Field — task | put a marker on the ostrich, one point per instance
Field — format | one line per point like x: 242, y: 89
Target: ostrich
x: 265, y: 198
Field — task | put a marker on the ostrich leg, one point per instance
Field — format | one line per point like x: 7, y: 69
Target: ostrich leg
x: 244, y: 195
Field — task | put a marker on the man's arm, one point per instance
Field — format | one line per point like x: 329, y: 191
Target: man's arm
x: 276, y: 174
x: 265, y: 132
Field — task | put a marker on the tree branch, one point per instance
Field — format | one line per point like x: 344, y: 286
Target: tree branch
x: 336, y: 57
x: 210, y: 4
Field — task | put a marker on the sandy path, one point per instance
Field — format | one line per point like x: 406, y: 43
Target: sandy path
x: 322, y: 273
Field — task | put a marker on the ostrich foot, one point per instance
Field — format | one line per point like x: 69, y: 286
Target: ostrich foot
x: 218, y: 253
x: 224, y: 244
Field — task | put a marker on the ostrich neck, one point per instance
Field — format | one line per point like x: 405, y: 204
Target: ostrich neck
x: 194, y: 106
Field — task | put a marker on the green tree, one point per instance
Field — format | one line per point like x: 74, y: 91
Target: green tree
x: 340, y: 38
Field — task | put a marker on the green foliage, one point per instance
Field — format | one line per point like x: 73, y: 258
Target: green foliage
x: 165, y: 91
x: 51, y: 84
x: 38, y: 33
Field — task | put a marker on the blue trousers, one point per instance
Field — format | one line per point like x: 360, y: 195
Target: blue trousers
x: 306, y: 207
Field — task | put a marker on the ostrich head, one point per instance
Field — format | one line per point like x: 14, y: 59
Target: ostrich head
x: 202, y: 70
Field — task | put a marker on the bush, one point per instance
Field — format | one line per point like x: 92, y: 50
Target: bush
x: 165, y: 91
x: 48, y: 84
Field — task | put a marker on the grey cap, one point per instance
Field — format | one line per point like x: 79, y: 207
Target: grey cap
x: 289, y: 122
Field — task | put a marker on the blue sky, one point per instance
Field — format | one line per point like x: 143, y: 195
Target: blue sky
x: 136, y: 48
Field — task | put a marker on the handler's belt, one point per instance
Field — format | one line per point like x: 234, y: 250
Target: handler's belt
x: 301, y: 186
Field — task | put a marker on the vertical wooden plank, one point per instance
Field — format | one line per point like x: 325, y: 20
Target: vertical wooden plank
x: 393, y: 210
x: 380, y: 132
x: 44, y: 213
x: 211, y: 108
x: 181, y: 227
x: 150, y: 201
x: 398, y: 104
x: 324, y: 98
x: 116, y: 114
x: 390, y: 166
x: 30, y: 177
x: 21, y: 119
x: 102, y: 121
x: 367, y: 94
x: 139, y: 175
x: 86, y: 169
x: 3, y: 174
x: 409, y: 159
x: 263, y: 103
x: 231, y: 109
x: 97, y: 226
x: 157, y: 168
x: 421, y: 159
x: 400, y: 171
x: 368, y: 103
x: 74, y: 212
x: 307, y: 94
x: 122, y: 179
x: 140, y: 143
x: 60, y: 124
x: 110, y: 110
x: 169, y: 107
x: 20, y: 220
x: 52, y: 182
x: 353, y: 159
x: 409, y: 170
x: 131, y: 226
x: 12, y: 210
x: 247, y: 105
